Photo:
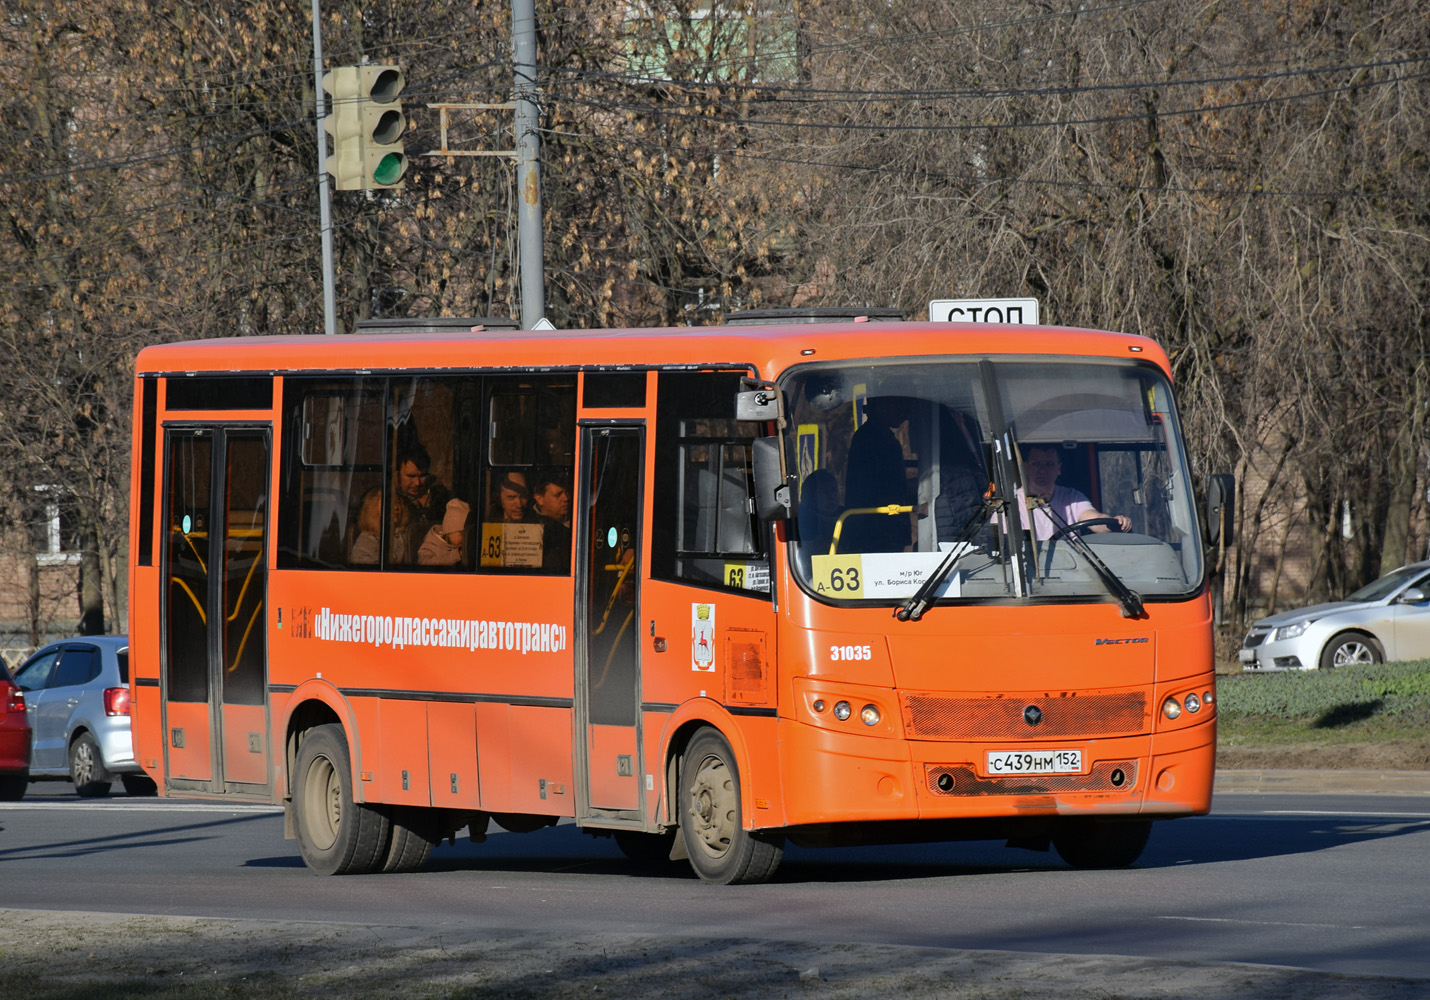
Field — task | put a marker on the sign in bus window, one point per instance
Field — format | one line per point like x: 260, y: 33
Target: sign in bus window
x: 878, y: 575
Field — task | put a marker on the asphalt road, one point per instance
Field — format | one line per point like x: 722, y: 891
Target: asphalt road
x: 1327, y: 882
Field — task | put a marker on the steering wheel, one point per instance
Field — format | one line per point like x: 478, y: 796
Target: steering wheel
x: 1110, y: 523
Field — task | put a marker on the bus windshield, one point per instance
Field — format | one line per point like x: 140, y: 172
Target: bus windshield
x: 1025, y: 479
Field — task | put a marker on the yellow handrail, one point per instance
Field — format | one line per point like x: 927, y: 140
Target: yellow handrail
x: 238, y: 601
x: 193, y: 597
x: 625, y: 570
x: 889, y: 509
x: 243, y: 641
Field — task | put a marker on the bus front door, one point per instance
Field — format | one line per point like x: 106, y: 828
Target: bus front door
x: 213, y: 671
x: 608, y: 762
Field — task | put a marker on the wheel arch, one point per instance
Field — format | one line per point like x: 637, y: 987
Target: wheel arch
x: 1351, y: 630
x: 679, y: 729
x: 317, y: 703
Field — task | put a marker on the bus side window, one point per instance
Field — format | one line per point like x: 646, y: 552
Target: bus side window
x: 333, y: 444
x: 705, y: 530
x: 523, y: 509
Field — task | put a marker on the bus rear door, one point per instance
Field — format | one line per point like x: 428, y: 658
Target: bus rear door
x: 213, y: 669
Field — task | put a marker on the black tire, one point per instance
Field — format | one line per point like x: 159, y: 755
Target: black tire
x: 650, y: 849
x: 91, y: 778
x: 336, y: 835
x: 721, y: 850
x: 1350, y: 649
x: 414, y: 834
x: 12, y: 787
x: 138, y: 784
x: 1090, y: 843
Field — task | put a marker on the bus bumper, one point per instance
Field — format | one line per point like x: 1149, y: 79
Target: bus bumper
x: 842, y: 778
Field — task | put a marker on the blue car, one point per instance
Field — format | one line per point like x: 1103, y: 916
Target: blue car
x: 77, y: 700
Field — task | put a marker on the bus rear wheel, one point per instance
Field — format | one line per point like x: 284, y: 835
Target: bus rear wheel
x: 721, y: 850
x: 336, y: 835
x: 414, y: 834
x: 1090, y: 843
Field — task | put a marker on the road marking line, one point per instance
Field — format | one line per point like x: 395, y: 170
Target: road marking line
x: 1333, y: 812
x: 1264, y: 923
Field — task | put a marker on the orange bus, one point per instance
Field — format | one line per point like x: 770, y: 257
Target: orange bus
x: 707, y: 590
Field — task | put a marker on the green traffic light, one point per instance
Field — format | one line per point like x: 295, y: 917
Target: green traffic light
x: 390, y: 169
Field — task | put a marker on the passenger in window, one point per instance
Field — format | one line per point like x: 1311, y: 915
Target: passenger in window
x: 444, y: 544
x: 512, y: 503
x: 1042, y: 465
x: 367, y: 546
x: 818, y: 509
x: 551, y: 500
x: 424, y: 496
x: 876, y: 476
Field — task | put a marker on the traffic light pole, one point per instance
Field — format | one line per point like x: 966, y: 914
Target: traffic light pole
x: 528, y: 163
x: 330, y: 301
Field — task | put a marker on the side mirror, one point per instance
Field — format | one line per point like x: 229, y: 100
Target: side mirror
x: 774, y: 492
x: 1221, y: 508
x: 757, y: 404
x: 1412, y: 595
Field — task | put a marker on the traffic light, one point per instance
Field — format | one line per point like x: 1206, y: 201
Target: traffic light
x: 366, y: 123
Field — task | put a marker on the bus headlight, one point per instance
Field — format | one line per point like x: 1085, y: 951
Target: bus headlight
x: 1193, y: 704
x: 842, y: 711
x: 1171, y: 708
x: 869, y: 715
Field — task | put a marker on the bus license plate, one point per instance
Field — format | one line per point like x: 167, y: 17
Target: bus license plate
x: 1034, y: 762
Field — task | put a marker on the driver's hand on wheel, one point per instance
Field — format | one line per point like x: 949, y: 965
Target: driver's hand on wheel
x: 1124, y: 523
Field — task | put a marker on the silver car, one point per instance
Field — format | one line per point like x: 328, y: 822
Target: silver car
x: 1385, y: 620
x: 77, y: 698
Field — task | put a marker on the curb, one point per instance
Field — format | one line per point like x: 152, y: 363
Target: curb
x: 1327, y: 782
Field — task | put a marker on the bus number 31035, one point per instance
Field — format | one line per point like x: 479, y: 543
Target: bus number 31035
x: 851, y: 652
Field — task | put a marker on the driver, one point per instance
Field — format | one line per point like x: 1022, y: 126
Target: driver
x: 1042, y: 466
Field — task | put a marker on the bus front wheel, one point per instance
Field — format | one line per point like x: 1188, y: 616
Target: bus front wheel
x: 721, y: 850
x: 1090, y: 843
x: 336, y: 835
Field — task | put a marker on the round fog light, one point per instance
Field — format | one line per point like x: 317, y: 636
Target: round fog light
x: 1194, y: 704
x: 1171, y: 709
x: 842, y: 710
x: 869, y: 715
x: 818, y: 705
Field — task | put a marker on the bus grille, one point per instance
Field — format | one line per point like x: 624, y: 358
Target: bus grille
x: 940, y: 718
x: 1106, y: 776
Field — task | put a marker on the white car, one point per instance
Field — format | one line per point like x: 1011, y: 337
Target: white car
x: 1385, y: 620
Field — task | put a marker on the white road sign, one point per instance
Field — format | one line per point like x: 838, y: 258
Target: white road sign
x: 1017, y: 311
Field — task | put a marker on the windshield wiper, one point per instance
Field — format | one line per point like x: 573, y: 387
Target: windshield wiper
x: 1128, y: 598
x: 913, y: 609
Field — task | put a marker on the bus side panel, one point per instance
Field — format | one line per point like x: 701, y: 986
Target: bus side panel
x: 146, y: 719
x: 452, y: 737
x: 365, y: 747
x: 245, y: 744
x: 187, y: 733
x: 403, y: 778
x: 719, y: 648
x: 541, y: 774
x: 493, y: 757
x: 609, y: 786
